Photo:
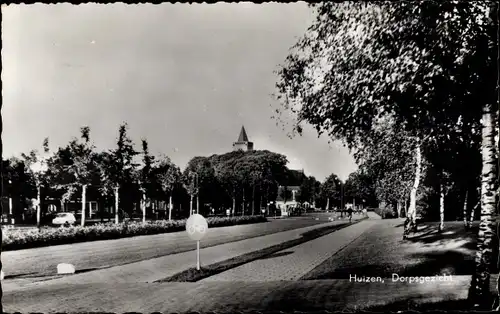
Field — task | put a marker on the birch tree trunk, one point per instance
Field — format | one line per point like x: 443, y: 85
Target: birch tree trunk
x: 441, y: 208
x: 472, y: 214
x: 117, y: 202
x: 234, y: 206
x: 38, y: 206
x: 484, y: 255
x: 412, y: 210
x: 170, y: 208
x: 84, y: 203
x: 191, y: 206
x: 198, y: 203
x: 466, y: 222
x: 143, y: 208
x: 328, y: 204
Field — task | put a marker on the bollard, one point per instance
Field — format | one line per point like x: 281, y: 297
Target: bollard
x: 65, y: 268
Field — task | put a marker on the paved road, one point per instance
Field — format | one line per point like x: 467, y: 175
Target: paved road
x: 159, y: 268
x: 295, y: 262
x: 115, y: 295
x: 332, y: 295
x: 100, y: 254
x: 382, y: 252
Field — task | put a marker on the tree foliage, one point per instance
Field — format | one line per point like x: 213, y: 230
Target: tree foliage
x: 428, y: 65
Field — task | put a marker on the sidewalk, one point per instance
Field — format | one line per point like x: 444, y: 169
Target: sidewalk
x: 162, y: 267
x: 331, y: 295
x: 295, y: 262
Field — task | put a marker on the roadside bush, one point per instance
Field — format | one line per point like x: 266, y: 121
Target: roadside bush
x: 386, y: 212
x: 16, y: 239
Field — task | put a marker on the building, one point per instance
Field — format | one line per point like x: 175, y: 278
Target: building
x: 288, y: 203
x: 243, y: 143
x: 288, y: 191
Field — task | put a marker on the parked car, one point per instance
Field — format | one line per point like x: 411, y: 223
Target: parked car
x: 64, y: 219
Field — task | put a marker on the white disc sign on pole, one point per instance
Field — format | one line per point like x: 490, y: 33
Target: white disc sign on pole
x: 196, y: 227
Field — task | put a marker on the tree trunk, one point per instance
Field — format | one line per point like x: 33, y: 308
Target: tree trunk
x: 170, y: 208
x: 472, y: 214
x: 399, y: 209
x: 143, y: 208
x: 117, y: 202
x: 84, y: 203
x: 253, y: 200
x: 191, y: 206
x: 243, y: 205
x: 441, y: 208
x: 328, y: 204
x: 267, y: 201
x: 234, y: 206
x: 479, y: 292
x: 198, y: 203
x: 466, y: 223
x: 38, y: 206
x: 412, y: 210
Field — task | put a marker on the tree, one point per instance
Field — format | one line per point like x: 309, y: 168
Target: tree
x: 236, y: 169
x: 360, y: 186
x: 21, y: 184
x: 389, y: 155
x: 168, y: 175
x: 427, y: 62
x: 37, y: 166
x: 203, y: 177
x: 307, y: 190
x: 118, y: 170
x: 82, y: 167
x: 285, y: 193
x: 330, y: 189
x: 147, y: 177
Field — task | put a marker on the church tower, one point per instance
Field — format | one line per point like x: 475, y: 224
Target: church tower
x: 242, y: 143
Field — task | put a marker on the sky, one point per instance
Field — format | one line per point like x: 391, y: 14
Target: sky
x: 186, y: 77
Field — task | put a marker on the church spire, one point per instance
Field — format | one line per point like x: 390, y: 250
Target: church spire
x: 243, y: 143
x: 243, y: 135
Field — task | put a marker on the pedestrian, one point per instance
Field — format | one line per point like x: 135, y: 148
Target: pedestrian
x: 349, y: 211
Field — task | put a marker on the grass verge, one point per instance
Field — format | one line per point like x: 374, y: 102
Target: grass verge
x: 193, y: 275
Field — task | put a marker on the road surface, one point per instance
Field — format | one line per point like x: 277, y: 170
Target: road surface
x: 365, y: 240
x: 102, y: 254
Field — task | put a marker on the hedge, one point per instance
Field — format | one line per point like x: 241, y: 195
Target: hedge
x: 17, y: 239
x: 386, y: 212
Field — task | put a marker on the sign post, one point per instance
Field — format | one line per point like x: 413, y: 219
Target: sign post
x: 196, y: 227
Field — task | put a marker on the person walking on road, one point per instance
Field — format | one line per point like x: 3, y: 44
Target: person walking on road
x: 349, y: 211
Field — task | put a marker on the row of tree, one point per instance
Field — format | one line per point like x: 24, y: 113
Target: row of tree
x: 133, y: 181
x: 411, y: 88
x: 115, y: 177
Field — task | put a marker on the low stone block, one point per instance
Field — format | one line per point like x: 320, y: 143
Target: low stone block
x: 64, y: 268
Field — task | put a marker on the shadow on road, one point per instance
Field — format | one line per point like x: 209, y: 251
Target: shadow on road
x: 441, y: 263
x: 381, y: 253
x: 192, y: 275
x: 18, y: 276
x: 277, y: 255
x: 412, y: 304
